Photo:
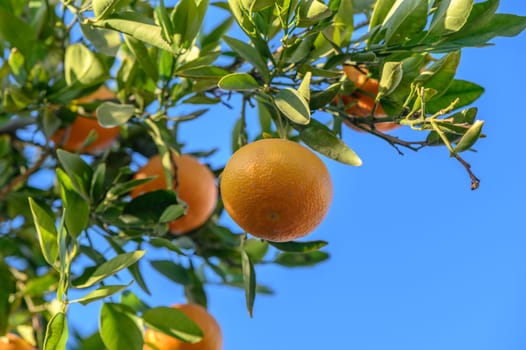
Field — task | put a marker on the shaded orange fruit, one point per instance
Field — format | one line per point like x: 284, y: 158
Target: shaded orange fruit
x: 195, y: 186
x: 212, y: 336
x: 362, y: 100
x: 14, y: 342
x: 276, y: 189
x: 73, y: 137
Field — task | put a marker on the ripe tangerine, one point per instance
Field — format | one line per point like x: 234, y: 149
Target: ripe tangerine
x: 195, y: 186
x: 363, y: 100
x: 14, y: 342
x: 73, y: 137
x: 276, y: 189
x: 212, y: 336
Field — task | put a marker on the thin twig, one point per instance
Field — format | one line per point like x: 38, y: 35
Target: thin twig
x: 475, y: 181
x: 23, y: 177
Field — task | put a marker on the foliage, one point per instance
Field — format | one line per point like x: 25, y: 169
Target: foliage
x: 285, y: 63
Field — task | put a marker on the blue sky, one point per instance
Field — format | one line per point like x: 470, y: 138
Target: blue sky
x: 418, y: 260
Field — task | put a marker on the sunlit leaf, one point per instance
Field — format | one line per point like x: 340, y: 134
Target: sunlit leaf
x: 56, y: 333
x: 82, y: 66
x: 249, y: 278
x: 238, y: 81
x: 293, y: 106
x: 111, y: 267
x: 120, y: 328
x: 173, y: 322
x: 111, y: 114
x: 470, y: 137
x: 46, y: 230
x: 175, y: 272
x: 101, y: 293
x: 103, y: 8
x: 77, y: 208
x: 322, y: 139
x: 301, y: 260
x: 299, y: 247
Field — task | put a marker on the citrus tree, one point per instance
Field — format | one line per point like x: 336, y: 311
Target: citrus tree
x: 93, y: 94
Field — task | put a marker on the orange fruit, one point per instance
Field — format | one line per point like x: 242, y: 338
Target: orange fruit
x: 212, y: 336
x: 362, y: 100
x: 14, y: 342
x: 276, y: 189
x: 195, y: 186
x: 73, y: 137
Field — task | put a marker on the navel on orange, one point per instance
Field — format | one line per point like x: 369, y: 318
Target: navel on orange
x: 74, y: 136
x: 276, y: 189
x: 212, y: 336
x: 195, y: 186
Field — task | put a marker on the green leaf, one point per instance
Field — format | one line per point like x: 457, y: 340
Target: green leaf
x: 150, y: 206
x: 313, y: 11
x: 172, y: 212
x: 16, y: 63
x: 242, y: 16
x: 111, y: 267
x: 159, y: 242
x: 16, y: 32
x: 322, y: 98
x: 187, y: 18
x: 406, y: 19
x: 239, y: 82
x: 105, y: 41
x: 76, y: 208
x: 441, y: 74
x: 239, y: 134
x: 483, y: 25
x: 41, y: 285
x: 7, y: 289
x: 82, y: 66
x: 135, y: 271
x: 101, y: 293
x: 450, y: 17
x: 79, y: 172
x: 380, y: 11
x: 56, y: 333
x: 103, y: 8
x: 111, y: 114
x: 120, y: 328
x: 293, y: 106
x: 467, y: 93
x: 195, y: 292
x: 212, y: 38
x: 174, y: 323
x: 167, y: 27
x: 142, y: 56
x: 97, y: 182
x: 137, y: 26
x: 173, y: 271
x: 470, y: 137
x: 299, y: 247
x: 392, y: 74
x: 304, y: 88
x: 207, y: 72
x: 301, y: 260
x: 90, y: 342
x: 131, y: 299
x: 47, y: 232
x: 249, y: 278
x: 322, y: 139
x: 256, y: 249
x: 250, y: 54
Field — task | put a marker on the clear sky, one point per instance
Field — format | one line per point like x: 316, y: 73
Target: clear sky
x: 418, y: 260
